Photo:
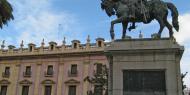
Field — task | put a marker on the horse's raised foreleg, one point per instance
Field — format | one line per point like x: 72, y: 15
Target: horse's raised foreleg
x: 125, y: 25
x: 162, y: 25
x: 118, y: 20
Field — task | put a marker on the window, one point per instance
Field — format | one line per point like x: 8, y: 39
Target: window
x: 30, y: 49
x: 99, y: 43
x: 25, y: 90
x: 98, y: 90
x: 48, y: 90
x: 7, y: 70
x: 3, y: 90
x: 52, y: 47
x: 50, y: 70
x: 99, y: 68
x: 28, y: 70
x: 72, y: 90
x: 74, y: 69
x: 75, y: 45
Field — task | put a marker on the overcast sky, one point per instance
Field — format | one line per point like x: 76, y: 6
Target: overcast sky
x: 75, y: 19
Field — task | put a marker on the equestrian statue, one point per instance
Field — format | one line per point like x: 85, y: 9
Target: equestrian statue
x: 132, y: 11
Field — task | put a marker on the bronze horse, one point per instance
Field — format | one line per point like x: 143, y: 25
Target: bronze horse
x: 157, y: 9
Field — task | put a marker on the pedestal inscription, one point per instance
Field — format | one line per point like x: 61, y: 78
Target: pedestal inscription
x: 151, y: 82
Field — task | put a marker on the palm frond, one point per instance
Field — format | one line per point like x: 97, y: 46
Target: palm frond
x: 6, y: 12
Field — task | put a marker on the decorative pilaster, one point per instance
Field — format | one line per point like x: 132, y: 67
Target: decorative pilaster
x: 85, y: 74
x: 37, y: 78
x: 60, y: 76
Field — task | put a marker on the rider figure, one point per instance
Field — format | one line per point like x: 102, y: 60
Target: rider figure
x: 132, y: 8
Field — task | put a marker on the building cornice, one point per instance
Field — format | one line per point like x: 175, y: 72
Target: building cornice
x: 62, y: 50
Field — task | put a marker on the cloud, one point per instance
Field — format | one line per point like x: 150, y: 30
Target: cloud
x: 183, y: 35
x: 185, y: 68
x: 35, y: 20
x: 45, y: 25
x: 183, y: 38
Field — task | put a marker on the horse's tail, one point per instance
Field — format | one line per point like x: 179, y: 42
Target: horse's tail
x: 175, y: 15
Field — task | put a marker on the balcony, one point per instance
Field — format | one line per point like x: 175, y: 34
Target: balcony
x: 72, y: 74
x: 48, y: 73
x: 6, y: 74
x: 97, y: 73
x: 27, y: 74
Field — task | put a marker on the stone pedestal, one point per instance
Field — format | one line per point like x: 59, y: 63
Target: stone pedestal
x: 155, y: 61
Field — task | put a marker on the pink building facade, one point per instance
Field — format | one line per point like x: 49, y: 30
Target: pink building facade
x: 51, y: 70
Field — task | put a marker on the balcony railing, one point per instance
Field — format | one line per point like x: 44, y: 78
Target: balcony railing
x: 27, y: 74
x: 6, y: 74
x: 48, y: 73
x: 72, y: 74
x: 97, y: 73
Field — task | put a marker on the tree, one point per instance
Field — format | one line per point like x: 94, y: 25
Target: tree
x: 6, y: 11
x: 99, y: 79
x: 183, y: 85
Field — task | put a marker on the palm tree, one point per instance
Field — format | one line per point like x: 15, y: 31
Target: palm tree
x: 5, y: 12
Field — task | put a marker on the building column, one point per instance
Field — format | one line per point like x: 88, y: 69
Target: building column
x: 60, y: 77
x: 17, y: 80
x: 110, y: 75
x: 37, y: 79
x: 15, y: 74
x: 85, y: 74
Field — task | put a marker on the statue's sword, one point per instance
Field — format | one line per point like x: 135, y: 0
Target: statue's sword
x: 143, y: 11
